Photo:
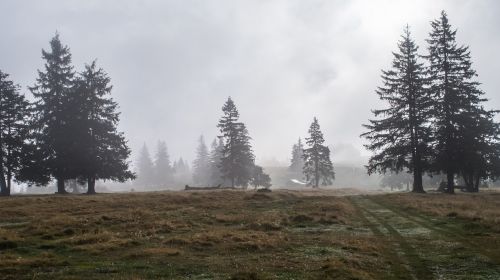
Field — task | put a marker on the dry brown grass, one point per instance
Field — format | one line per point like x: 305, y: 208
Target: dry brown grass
x: 220, y: 229
x: 215, y: 234
x: 43, y: 259
x: 483, y: 207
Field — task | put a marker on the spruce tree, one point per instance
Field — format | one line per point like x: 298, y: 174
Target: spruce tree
x: 163, y: 173
x: 99, y: 148
x: 201, y: 165
x: 145, y: 171
x: 297, y: 162
x: 464, y: 131
x: 52, y: 92
x: 237, y: 157
x: 400, y: 132
x: 317, y: 164
x: 480, y: 148
x: 14, y: 117
x: 215, y: 162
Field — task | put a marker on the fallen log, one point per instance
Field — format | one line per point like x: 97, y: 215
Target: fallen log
x: 218, y: 187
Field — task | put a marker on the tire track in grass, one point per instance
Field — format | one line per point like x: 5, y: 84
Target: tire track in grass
x: 447, y: 233
x: 418, y: 265
x: 399, y: 271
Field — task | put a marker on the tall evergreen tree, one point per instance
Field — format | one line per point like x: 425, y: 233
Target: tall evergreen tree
x: 317, y: 164
x: 13, y: 132
x: 480, y: 148
x: 52, y: 92
x: 215, y: 162
x: 163, y: 173
x: 102, y: 151
x: 237, y: 157
x: 463, y: 129
x: 400, y: 134
x: 201, y: 165
x: 297, y: 162
x: 145, y: 171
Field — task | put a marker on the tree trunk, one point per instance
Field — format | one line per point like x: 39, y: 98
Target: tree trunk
x: 417, y: 165
x: 3, y: 184
x: 9, y: 182
x: 60, y: 186
x: 316, y: 174
x: 466, y: 180
x: 417, y: 183
x: 476, y: 185
x: 469, y: 182
x: 417, y: 179
x: 450, y: 177
x: 4, y: 190
x: 91, y: 185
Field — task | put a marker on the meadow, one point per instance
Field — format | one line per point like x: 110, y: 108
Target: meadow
x: 338, y: 234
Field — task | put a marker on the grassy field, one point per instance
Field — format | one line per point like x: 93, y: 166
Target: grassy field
x: 250, y: 235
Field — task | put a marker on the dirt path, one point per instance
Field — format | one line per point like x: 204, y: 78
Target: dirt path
x: 419, y: 247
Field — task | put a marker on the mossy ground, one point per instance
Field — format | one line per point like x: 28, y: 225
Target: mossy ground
x: 249, y: 235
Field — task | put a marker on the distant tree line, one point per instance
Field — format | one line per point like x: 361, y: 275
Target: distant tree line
x: 435, y: 121
x: 229, y: 162
x: 69, y: 131
x: 158, y: 171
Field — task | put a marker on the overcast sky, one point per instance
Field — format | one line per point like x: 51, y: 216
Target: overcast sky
x: 174, y: 63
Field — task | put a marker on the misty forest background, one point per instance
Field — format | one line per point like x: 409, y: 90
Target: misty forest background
x: 435, y: 131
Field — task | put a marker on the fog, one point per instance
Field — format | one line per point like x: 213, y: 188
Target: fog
x: 174, y: 63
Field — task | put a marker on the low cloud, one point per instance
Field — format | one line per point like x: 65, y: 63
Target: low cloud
x: 173, y: 63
